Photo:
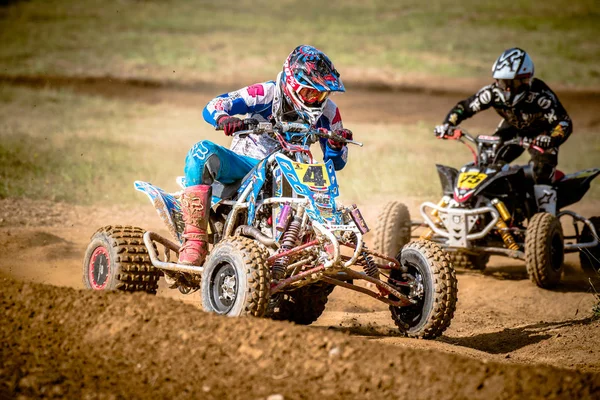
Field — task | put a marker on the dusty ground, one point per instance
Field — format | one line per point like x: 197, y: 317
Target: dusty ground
x: 506, y: 339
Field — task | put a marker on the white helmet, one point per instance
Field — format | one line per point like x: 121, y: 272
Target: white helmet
x: 513, y: 72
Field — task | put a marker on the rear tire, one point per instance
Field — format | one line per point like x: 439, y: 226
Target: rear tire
x: 544, y: 250
x: 468, y: 261
x: 236, y: 280
x: 433, y: 312
x: 393, y: 229
x: 117, y: 259
x: 590, y: 258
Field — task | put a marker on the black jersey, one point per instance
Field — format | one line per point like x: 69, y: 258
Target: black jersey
x: 540, y: 112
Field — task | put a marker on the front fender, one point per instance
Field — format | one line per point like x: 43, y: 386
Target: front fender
x: 447, y: 178
x: 321, y: 191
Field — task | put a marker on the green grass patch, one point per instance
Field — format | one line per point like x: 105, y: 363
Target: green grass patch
x: 202, y: 40
x: 61, y: 146
x: 66, y: 171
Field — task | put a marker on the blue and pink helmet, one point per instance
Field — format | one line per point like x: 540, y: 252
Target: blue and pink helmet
x: 307, y: 80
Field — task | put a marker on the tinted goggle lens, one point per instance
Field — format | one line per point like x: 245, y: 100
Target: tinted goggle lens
x: 310, y: 95
x: 510, y: 85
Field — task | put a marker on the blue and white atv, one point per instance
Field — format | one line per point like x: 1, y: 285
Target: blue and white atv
x: 280, y: 244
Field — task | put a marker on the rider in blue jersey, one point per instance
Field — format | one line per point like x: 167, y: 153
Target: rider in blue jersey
x: 299, y: 94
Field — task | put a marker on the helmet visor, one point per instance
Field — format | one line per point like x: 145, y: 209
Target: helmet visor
x: 312, y: 96
x: 512, y: 85
x: 513, y: 88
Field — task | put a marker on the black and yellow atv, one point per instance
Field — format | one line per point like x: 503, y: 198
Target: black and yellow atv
x: 492, y: 208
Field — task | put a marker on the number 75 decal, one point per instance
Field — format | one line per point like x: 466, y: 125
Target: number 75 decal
x: 469, y: 180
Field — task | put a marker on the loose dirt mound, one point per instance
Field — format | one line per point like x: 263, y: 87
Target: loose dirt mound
x: 61, y: 342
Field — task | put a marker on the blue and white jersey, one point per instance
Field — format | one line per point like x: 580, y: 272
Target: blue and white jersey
x: 261, y: 101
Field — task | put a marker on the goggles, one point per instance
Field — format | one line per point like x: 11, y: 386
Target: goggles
x: 511, y: 85
x: 310, y: 95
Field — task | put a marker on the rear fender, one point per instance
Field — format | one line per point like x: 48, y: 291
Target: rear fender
x: 167, y: 206
x: 573, y: 187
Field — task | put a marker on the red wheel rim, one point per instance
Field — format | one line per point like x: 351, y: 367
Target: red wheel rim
x: 98, y: 268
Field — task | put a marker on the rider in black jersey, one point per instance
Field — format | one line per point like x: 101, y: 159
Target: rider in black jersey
x: 529, y: 108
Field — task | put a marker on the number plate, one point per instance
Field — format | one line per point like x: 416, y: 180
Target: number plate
x: 470, y: 180
x: 314, y: 175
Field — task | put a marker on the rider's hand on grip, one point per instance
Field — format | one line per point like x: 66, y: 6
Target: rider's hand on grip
x: 545, y: 141
x: 230, y: 125
x: 345, y: 133
x: 442, y: 131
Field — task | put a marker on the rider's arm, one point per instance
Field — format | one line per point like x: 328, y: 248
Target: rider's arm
x: 470, y: 106
x: 557, y: 117
x: 332, y: 121
x: 254, y: 99
x: 339, y: 157
x: 562, y: 130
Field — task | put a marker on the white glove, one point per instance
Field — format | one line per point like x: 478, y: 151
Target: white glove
x: 441, y: 131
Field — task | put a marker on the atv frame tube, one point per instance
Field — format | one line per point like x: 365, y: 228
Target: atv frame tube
x: 573, y: 247
x: 150, y: 238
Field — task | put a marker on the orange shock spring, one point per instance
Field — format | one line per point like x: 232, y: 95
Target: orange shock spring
x: 501, y: 226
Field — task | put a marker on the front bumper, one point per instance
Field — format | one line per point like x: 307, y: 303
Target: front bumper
x: 457, y: 225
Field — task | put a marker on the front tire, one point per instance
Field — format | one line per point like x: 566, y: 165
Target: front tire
x: 393, y: 229
x: 436, y: 294
x: 117, y: 259
x: 236, y: 279
x: 544, y: 250
x: 590, y: 258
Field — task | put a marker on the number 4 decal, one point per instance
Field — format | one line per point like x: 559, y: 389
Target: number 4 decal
x: 314, y: 174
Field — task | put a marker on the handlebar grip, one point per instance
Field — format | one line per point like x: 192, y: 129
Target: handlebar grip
x: 249, y: 123
x: 456, y: 134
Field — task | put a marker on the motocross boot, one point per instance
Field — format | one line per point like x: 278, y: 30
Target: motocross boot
x: 195, y: 204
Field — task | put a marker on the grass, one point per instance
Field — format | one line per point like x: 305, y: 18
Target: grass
x: 85, y: 149
x: 61, y: 146
x: 202, y: 40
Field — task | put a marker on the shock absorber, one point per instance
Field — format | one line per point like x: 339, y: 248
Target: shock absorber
x: 289, y: 240
x: 501, y: 226
x: 370, y: 267
x: 428, y: 234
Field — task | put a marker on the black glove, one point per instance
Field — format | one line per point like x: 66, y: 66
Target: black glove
x: 345, y: 133
x: 442, y: 131
x: 230, y: 124
x: 545, y: 141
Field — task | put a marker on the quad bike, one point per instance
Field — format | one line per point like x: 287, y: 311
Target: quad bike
x: 492, y: 208
x: 280, y: 244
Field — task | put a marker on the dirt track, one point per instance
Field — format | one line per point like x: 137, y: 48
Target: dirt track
x: 60, y: 342
x: 67, y: 343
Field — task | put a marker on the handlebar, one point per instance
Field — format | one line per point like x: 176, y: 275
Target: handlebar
x: 252, y: 125
x: 526, y: 143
